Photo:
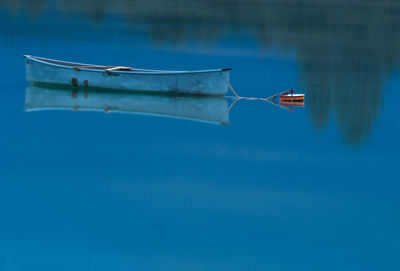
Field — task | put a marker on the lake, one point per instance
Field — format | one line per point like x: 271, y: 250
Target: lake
x: 312, y: 188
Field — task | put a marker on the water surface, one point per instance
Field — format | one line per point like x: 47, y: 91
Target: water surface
x: 312, y: 189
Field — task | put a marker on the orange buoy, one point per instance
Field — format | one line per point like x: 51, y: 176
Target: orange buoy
x: 291, y: 97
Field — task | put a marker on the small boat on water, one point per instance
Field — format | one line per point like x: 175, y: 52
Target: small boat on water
x: 287, y: 99
x: 204, y: 109
x: 289, y: 96
x: 41, y: 70
x: 292, y: 97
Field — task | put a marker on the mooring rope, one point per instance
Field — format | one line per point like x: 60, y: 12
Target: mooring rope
x: 237, y: 98
x: 251, y: 98
x: 234, y: 92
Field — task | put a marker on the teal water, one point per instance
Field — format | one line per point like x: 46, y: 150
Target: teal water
x: 312, y: 189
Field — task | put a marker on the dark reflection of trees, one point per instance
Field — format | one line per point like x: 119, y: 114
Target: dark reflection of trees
x: 34, y: 7
x: 344, y: 48
x: 344, y: 63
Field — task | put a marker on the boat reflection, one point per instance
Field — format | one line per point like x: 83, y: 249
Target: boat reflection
x: 291, y: 104
x: 204, y: 109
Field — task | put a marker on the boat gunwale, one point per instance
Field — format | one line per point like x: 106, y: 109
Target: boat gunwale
x: 48, y: 61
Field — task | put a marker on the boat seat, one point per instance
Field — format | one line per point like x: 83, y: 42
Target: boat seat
x: 106, y: 68
x: 118, y: 68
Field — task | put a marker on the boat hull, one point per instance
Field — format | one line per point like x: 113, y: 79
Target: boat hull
x: 211, y: 82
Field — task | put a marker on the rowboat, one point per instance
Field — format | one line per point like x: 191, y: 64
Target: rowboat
x: 208, y: 109
x: 41, y: 70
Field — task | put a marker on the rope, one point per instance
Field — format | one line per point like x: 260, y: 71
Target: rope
x: 252, y: 98
x: 232, y: 104
x: 268, y: 99
x: 234, y: 92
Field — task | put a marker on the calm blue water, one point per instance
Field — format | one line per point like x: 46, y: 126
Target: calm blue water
x: 312, y: 189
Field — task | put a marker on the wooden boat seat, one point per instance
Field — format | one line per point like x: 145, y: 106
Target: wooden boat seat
x: 109, y: 69
x: 118, y: 68
x: 106, y: 68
